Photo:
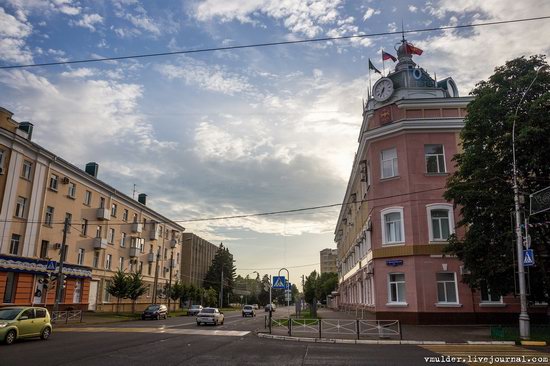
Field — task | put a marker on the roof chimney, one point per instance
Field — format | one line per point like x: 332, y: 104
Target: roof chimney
x: 92, y: 168
x: 142, y: 198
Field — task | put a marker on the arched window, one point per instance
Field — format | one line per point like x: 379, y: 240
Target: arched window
x: 440, y: 221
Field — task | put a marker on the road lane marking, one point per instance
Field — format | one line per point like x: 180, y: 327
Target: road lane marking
x: 225, y: 333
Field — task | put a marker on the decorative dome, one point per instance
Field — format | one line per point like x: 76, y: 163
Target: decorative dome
x: 404, y: 57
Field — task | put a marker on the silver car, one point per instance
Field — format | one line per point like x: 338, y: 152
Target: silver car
x: 210, y: 316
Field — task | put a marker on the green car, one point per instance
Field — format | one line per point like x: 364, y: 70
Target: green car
x: 24, y: 322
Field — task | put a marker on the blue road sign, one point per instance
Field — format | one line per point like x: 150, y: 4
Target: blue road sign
x: 528, y: 258
x: 279, y: 282
x: 51, y: 265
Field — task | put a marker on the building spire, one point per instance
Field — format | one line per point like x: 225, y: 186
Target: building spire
x: 402, y: 32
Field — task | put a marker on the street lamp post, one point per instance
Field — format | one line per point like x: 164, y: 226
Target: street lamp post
x: 155, y: 284
x: 170, y: 279
x: 524, y: 326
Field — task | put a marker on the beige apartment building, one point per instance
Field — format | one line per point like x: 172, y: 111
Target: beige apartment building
x: 108, y: 230
x: 328, y: 260
x: 197, y: 256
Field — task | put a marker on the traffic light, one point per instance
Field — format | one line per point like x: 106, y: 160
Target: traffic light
x: 46, y: 282
x: 64, y: 281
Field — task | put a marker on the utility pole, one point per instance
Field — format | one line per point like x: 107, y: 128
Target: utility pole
x: 155, y: 284
x: 221, y: 291
x: 170, y: 279
x: 59, y: 289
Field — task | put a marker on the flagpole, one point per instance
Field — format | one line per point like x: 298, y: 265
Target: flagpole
x: 370, y: 88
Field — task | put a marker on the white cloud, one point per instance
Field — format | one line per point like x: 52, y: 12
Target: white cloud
x: 413, y: 9
x: 370, y: 12
x: 304, y: 17
x: 13, y: 28
x: 25, y: 7
x: 88, y: 21
x: 212, y: 78
x: 15, y: 50
x: 13, y: 32
x: 82, y: 72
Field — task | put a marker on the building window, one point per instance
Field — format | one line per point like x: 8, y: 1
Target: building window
x: 111, y: 237
x: 44, y: 249
x: 101, y: 202
x: 27, y: 170
x: 440, y: 221
x: 108, y: 259
x: 487, y: 296
x: 95, y: 262
x: 435, y: 159
x: 87, y: 198
x: 53, y: 182
x: 77, y: 294
x: 84, y: 227
x: 14, y: 244
x: 135, y: 218
x: 9, y: 290
x: 72, y: 190
x: 98, y: 231
x: 80, y: 257
x: 2, y: 153
x: 122, y: 240
x: 165, y: 253
x: 121, y: 263
x: 389, y: 163
x: 48, y: 219
x: 125, y: 215
x: 446, y: 288
x: 20, y: 207
x: 393, y: 228
x: 113, y: 209
x: 396, y: 288
x: 106, y: 294
x: 177, y: 258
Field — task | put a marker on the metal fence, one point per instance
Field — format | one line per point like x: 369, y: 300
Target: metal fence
x: 67, y: 316
x: 357, y: 328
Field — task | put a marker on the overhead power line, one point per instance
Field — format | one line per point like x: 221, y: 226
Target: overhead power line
x: 269, y: 44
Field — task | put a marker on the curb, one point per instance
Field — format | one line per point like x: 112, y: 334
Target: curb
x: 379, y: 342
x: 533, y: 343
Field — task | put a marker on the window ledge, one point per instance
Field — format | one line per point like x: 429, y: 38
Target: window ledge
x: 436, y: 174
x: 438, y: 242
x: 52, y: 189
x: 26, y: 179
x: 397, y: 304
x: 492, y: 305
x: 83, y: 235
x: 393, y: 244
x: 447, y: 305
x: 390, y: 178
x: 71, y: 197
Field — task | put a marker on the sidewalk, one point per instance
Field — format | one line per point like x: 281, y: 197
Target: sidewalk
x: 420, y: 333
x: 91, y: 318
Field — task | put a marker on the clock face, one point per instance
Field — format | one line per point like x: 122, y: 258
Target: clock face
x: 383, y: 89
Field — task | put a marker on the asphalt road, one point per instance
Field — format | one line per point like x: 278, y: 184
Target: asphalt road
x: 178, y: 341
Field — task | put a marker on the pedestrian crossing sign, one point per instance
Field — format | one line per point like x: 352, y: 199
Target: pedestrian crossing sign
x: 279, y: 282
x: 51, y: 265
x: 528, y: 258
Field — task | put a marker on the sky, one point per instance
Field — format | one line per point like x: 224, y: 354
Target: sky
x: 234, y: 132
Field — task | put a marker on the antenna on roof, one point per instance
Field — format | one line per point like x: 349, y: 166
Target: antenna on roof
x: 402, y: 31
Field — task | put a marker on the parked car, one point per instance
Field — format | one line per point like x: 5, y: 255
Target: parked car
x: 24, y: 322
x: 155, y: 311
x: 194, y: 310
x: 255, y: 306
x: 268, y: 306
x: 210, y: 315
x: 248, y: 310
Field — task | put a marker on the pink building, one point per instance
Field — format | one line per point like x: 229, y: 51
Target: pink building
x: 395, y: 222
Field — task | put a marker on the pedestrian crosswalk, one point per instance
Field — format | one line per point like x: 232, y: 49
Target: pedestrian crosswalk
x: 225, y: 333
x: 478, y: 355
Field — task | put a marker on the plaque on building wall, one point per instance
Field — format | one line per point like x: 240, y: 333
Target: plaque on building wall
x: 394, y: 262
x: 385, y: 115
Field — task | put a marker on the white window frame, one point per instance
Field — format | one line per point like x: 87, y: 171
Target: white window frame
x: 383, y: 213
x: 54, y: 182
x: 111, y: 236
x: 15, y: 244
x: 390, y: 282
x: 48, y: 216
x: 71, y: 190
x: 77, y: 294
x: 20, y: 207
x: 444, y: 282
x: 450, y: 215
x: 80, y: 256
x: 394, y: 165
x: 122, y: 239
x: 108, y: 261
x: 437, y: 158
x: 87, y: 197
x: 489, y: 301
x: 121, y: 263
x: 125, y: 215
x: 95, y: 260
x: 84, y: 227
x: 26, y: 170
x: 114, y: 208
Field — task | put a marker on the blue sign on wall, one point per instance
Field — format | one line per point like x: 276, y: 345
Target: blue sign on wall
x: 394, y: 262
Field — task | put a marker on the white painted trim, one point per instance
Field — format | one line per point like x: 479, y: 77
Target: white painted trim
x: 388, y: 210
x: 450, y: 215
x: 396, y: 303
x: 448, y: 304
x: 30, y: 244
x: 9, y: 200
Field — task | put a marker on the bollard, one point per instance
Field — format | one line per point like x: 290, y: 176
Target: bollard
x: 357, y: 325
x: 399, y: 330
x: 265, y: 321
x: 319, y: 321
x: 289, y: 327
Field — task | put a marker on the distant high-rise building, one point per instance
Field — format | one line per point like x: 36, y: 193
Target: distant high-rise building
x: 197, y: 257
x: 328, y: 260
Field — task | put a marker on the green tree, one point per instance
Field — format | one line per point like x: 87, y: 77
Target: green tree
x: 482, y: 183
x: 327, y: 283
x: 136, y: 288
x: 311, y: 286
x: 223, y: 261
x: 177, y: 291
x: 119, y: 287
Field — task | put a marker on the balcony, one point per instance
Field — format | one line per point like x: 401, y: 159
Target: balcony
x: 103, y: 214
x: 151, y: 257
x: 173, y: 243
x: 154, y: 233
x: 100, y: 243
x: 137, y: 227
x: 135, y: 252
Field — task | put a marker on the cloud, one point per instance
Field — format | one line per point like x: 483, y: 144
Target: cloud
x: 82, y: 72
x: 88, y: 21
x: 370, y: 12
x: 213, y: 78
x: 303, y: 17
x: 13, y: 33
x: 13, y: 28
x: 26, y: 7
x: 412, y: 8
x: 15, y: 50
